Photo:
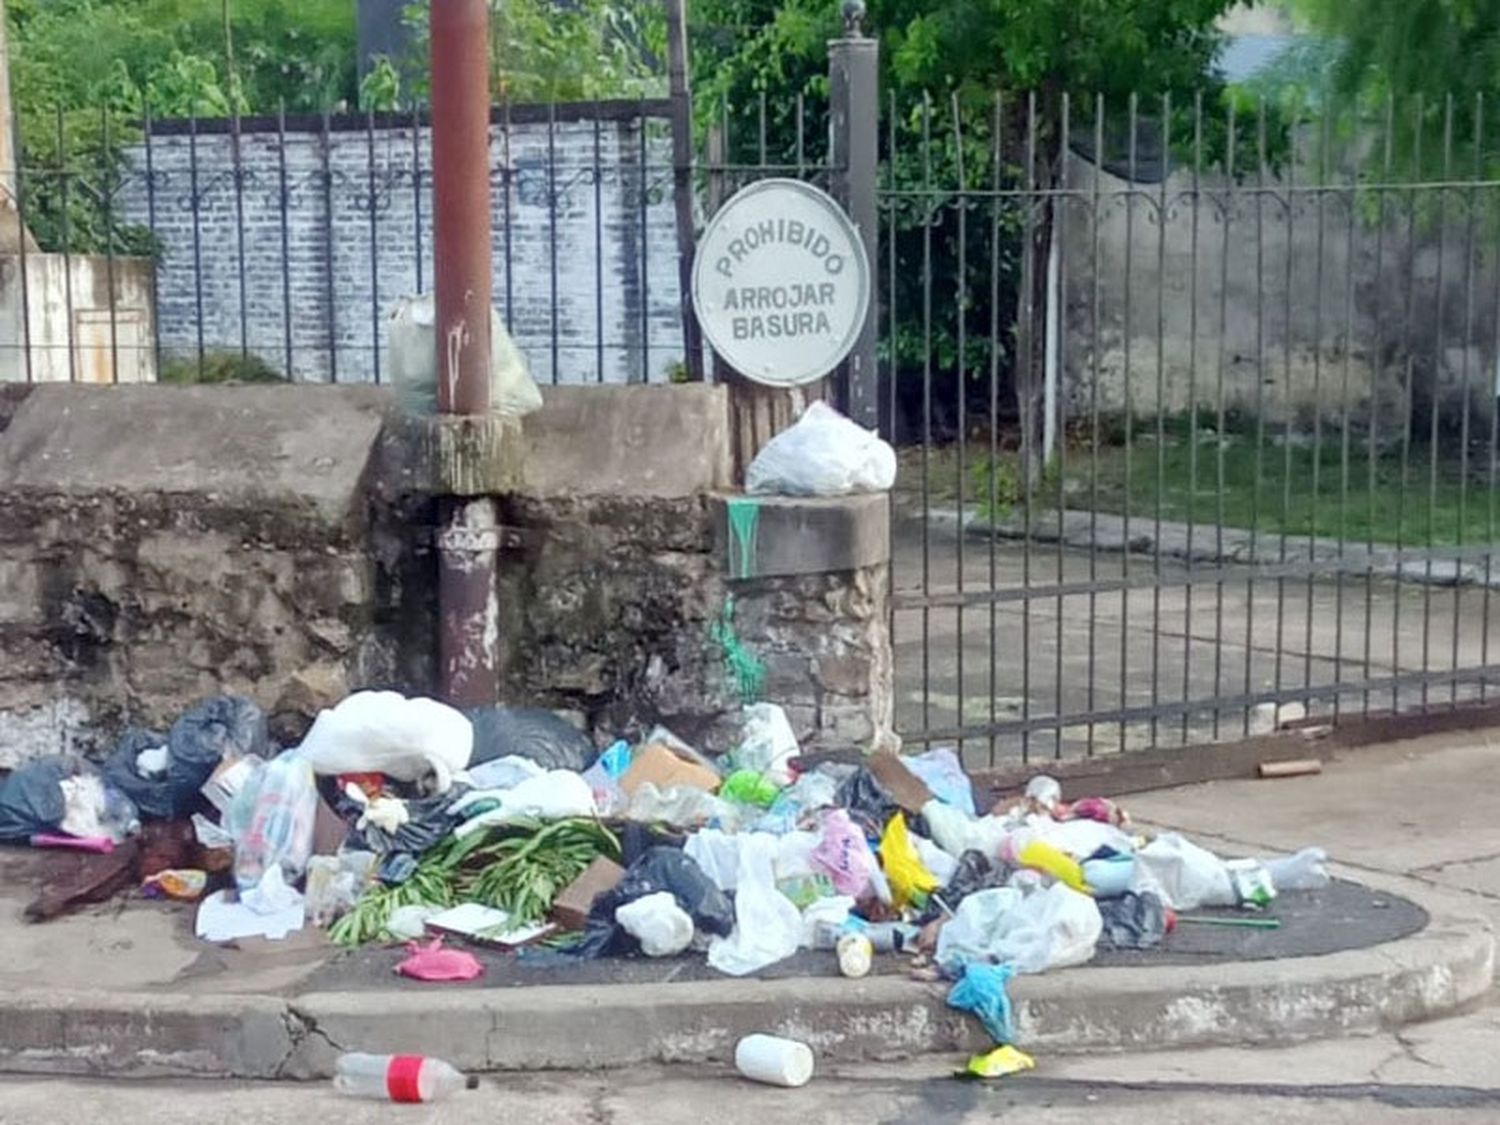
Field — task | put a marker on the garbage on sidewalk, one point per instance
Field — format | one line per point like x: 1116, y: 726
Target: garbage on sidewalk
x: 412, y: 826
x: 398, y: 1078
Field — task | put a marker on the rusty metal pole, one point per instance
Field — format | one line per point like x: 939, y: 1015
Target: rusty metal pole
x: 468, y: 539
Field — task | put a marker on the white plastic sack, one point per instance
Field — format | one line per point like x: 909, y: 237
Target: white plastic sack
x: 767, y: 924
x: 942, y: 865
x: 1053, y: 928
x: 1305, y: 871
x: 825, y: 915
x: 412, y: 350
x: 384, y: 732
x: 822, y: 454
x: 1081, y: 838
x: 718, y: 853
x: 681, y: 806
x: 503, y: 773
x: 556, y: 795
x: 661, y: 926
x: 1189, y: 876
x: 767, y: 743
x: 957, y: 833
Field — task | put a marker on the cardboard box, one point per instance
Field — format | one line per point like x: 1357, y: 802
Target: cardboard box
x: 570, y: 910
x: 906, y: 788
x: 665, y: 770
x: 228, y: 779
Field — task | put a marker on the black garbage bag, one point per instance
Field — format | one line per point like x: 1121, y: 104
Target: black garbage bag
x: 551, y: 742
x: 976, y: 872
x: 152, y: 795
x: 196, y: 744
x: 1133, y: 921
x: 867, y: 800
x: 658, y: 869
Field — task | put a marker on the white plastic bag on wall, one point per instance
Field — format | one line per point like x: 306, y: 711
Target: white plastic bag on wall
x: 412, y: 363
x: 822, y: 454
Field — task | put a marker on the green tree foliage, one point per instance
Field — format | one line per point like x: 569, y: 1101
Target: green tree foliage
x: 942, y: 66
x: 1408, y: 58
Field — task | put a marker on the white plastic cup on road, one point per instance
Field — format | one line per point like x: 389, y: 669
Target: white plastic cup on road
x: 774, y: 1061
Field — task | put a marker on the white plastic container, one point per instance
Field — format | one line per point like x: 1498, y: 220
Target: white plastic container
x: 774, y: 1061
x: 397, y: 1078
x: 855, y: 955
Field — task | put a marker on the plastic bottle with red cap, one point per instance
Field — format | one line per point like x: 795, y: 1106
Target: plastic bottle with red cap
x: 398, y: 1078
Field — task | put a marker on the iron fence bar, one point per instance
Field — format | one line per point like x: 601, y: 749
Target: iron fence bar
x: 151, y: 224
x: 961, y: 302
x: 926, y: 413
x: 1494, y: 461
x: 286, y: 240
x: 1027, y: 379
x: 1161, y: 402
x: 645, y: 258
x: 599, y: 252
x: 1129, y: 423
x: 996, y: 216
x: 507, y: 177
x: 1372, y: 440
x: 238, y: 175
x: 1278, y: 192
x: 1436, y: 407
x: 1173, y: 708
x: 24, y: 336
x: 1408, y: 404
x: 1192, y: 508
x: 1289, y: 420
x: 552, y: 232
x: 197, y: 236
x: 107, y: 192
x: 1231, y: 180
x: 1096, y: 375
x: 1344, y: 421
x: 1470, y: 209
x: 374, y: 241
x: 416, y: 194
x: 1260, y: 397
x: 328, y: 250
x: 1057, y: 412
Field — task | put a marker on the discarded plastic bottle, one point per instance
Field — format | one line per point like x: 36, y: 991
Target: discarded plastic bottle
x: 398, y: 1078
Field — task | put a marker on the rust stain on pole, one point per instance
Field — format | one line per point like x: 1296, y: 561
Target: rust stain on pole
x: 468, y: 538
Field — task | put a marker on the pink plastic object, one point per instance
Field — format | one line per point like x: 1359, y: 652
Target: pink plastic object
x: 434, y: 963
x: 99, y: 845
x: 844, y: 854
x: 1100, y: 809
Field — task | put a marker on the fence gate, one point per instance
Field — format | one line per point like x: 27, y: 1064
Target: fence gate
x: 1196, y: 419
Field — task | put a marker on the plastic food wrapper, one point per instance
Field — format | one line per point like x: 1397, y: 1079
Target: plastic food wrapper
x: 528, y: 732
x: 822, y: 454
x: 910, y: 881
x: 1187, y: 875
x: 385, y: 732
x: 981, y: 990
x: 272, y: 818
x: 944, y: 774
x: 767, y: 744
x: 844, y: 854
x: 1305, y: 871
x: 431, y: 962
x: 997, y: 1064
x: 661, y: 926
x: 1053, y: 928
x: 556, y: 795
x: 1133, y: 921
x: 768, y: 926
x: 186, y: 884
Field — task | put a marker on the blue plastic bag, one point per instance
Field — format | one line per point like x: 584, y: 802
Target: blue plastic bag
x: 943, y: 773
x: 981, y: 990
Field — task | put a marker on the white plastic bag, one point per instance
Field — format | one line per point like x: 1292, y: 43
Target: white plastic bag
x: 718, y: 853
x: 1053, y: 928
x: 957, y: 833
x: 1304, y: 871
x: 767, y: 924
x: 822, y: 454
x: 556, y: 795
x: 767, y: 743
x: 661, y: 926
x: 384, y: 732
x: 412, y: 348
x: 827, y: 915
x: 681, y: 806
x: 1189, y: 876
x: 942, y: 773
x: 503, y: 773
x: 942, y: 865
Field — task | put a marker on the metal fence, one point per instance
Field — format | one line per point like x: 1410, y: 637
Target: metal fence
x: 263, y: 248
x: 1199, y: 419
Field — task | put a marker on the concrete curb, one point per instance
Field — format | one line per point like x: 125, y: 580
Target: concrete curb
x: 575, y: 1027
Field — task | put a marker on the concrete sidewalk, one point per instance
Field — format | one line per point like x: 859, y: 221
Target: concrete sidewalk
x: 129, y: 991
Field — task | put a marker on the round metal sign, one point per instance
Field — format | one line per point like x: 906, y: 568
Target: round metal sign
x: 781, y: 283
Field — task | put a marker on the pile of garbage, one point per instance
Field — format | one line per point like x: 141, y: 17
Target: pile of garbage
x: 405, y: 820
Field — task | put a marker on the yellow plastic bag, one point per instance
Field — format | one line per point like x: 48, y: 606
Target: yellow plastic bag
x: 997, y: 1064
x: 1042, y: 856
x: 910, y: 881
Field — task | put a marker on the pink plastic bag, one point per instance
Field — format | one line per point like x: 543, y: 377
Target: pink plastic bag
x: 844, y: 854
x: 433, y: 962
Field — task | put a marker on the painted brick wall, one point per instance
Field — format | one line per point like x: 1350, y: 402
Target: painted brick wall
x: 308, y: 285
